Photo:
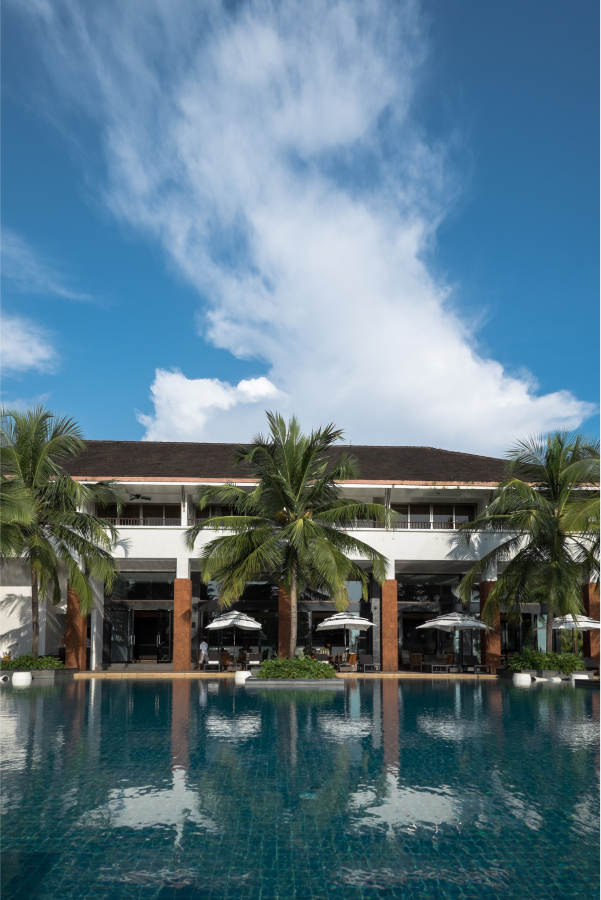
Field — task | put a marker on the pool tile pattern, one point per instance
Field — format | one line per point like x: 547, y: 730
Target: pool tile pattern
x: 154, y: 790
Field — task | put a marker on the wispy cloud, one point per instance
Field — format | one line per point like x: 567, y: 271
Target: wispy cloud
x: 28, y: 272
x: 24, y: 345
x: 274, y: 153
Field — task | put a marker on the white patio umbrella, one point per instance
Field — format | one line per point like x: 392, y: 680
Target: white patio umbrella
x: 455, y: 622
x: 345, y: 620
x: 575, y: 623
x: 235, y: 619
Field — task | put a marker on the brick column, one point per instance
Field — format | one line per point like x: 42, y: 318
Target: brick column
x: 182, y: 625
x: 283, y: 623
x: 389, y: 627
x: 491, y: 640
x: 76, y: 634
x: 590, y: 595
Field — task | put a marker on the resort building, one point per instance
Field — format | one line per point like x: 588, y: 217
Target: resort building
x: 159, y: 608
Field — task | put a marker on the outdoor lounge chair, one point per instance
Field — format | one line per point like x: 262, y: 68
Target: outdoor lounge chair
x: 415, y: 661
x: 434, y: 665
x: 350, y: 665
x: 213, y: 662
x: 365, y: 663
x: 405, y: 658
x: 591, y: 665
x: 254, y: 660
x: 471, y: 664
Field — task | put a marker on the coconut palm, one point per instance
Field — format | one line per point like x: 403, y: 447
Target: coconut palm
x: 547, y: 510
x: 16, y: 508
x: 290, y: 527
x: 53, y: 534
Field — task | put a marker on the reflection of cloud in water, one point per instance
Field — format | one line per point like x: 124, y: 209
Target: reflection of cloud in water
x: 448, y: 728
x: 339, y: 729
x: 241, y: 727
x: 145, y: 807
x: 516, y: 806
x: 586, y: 815
x: 579, y: 735
x: 405, y: 807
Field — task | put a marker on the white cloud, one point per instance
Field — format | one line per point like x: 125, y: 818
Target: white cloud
x: 25, y: 345
x: 274, y: 153
x: 183, y: 406
x: 28, y: 272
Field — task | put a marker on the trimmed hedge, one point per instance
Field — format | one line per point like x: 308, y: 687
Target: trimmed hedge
x: 26, y: 661
x: 566, y: 663
x: 299, y: 667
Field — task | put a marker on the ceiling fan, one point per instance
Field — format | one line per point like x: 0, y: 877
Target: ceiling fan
x: 139, y: 497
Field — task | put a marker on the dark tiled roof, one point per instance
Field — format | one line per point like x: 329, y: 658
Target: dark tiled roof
x: 141, y: 460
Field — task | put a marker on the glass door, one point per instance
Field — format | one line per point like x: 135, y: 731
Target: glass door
x: 164, y: 635
x: 122, y: 635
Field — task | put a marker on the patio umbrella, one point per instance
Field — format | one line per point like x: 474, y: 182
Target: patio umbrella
x: 455, y: 622
x: 345, y: 620
x: 575, y: 623
x: 235, y: 619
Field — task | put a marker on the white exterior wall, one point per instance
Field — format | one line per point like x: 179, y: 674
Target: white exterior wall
x: 416, y: 550
x: 15, y: 613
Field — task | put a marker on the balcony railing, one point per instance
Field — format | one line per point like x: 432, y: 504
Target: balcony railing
x: 370, y: 523
x: 136, y: 523
x: 406, y: 526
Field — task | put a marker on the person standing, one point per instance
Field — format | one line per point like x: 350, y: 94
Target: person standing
x: 204, y: 653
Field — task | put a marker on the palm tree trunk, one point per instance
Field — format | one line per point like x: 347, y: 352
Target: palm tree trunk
x: 35, y: 615
x: 293, y: 606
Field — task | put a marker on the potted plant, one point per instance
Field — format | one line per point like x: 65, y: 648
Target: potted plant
x: 44, y: 669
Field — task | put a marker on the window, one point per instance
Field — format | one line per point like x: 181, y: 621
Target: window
x: 442, y: 515
x: 401, y: 514
x: 464, y: 513
x: 419, y: 515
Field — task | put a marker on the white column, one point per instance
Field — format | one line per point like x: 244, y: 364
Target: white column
x: 42, y: 607
x: 96, y: 625
x: 183, y: 567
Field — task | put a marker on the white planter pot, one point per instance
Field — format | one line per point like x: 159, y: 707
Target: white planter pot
x: 240, y: 677
x: 522, y: 679
x: 22, y: 679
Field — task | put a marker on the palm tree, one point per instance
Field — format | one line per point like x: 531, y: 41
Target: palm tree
x: 55, y: 534
x: 16, y: 508
x: 547, y: 510
x: 290, y: 526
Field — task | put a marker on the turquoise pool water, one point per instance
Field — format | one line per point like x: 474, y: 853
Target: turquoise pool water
x: 202, y: 790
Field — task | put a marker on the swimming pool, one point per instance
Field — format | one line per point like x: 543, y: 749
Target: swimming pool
x: 200, y: 789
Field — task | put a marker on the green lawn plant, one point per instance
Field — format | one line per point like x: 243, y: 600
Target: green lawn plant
x: 51, y: 532
x: 296, y: 667
x: 536, y: 660
x: 546, y: 513
x: 28, y: 661
x: 290, y: 526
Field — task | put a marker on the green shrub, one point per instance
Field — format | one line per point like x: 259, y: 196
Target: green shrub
x: 299, y: 667
x: 26, y: 661
x: 566, y: 663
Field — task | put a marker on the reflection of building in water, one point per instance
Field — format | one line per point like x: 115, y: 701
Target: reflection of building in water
x: 158, y: 610
x: 143, y: 807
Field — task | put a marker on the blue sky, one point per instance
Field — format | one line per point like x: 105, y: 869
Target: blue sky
x: 384, y: 215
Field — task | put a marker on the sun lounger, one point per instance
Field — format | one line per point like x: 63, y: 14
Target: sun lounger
x: 213, y: 662
x: 471, y: 664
